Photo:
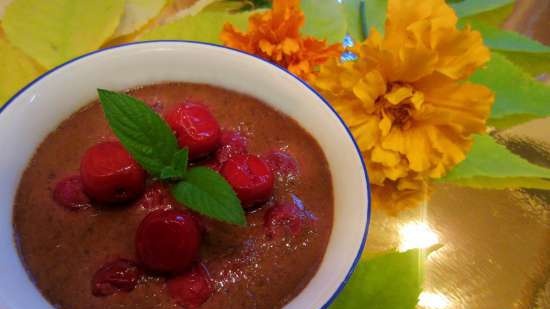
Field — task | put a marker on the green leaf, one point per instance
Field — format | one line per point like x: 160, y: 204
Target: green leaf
x: 55, y: 31
x: 178, y: 168
x: 473, y: 7
x: 181, y: 160
x: 534, y: 64
x: 170, y: 173
x: 375, y: 14
x: 389, y: 281
x: 491, y: 165
x: 352, y: 13
x: 205, y: 26
x: 499, y: 39
x: 251, y: 4
x: 516, y: 92
x: 137, y: 13
x: 208, y: 193
x: 510, y: 121
x: 324, y: 20
x: 142, y: 132
x: 495, y: 17
x: 16, y: 70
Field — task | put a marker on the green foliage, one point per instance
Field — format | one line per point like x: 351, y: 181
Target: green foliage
x: 389, y: 281
x: 495, y: 17
x: 534, y: 64
x: 375, y: 14
x: 352, y: 12
x: 491, y: 165
x: 324, y: 20
x: 516, y: 92
x: 502, y: 40
x: 473, y: 7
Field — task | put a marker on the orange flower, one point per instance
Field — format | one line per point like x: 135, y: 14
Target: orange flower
x: 275, y: 36
x: 407, y: 100
x: 396, y: 196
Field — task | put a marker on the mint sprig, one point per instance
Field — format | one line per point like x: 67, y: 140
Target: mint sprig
x: 152, y: 144
x: 178, y: 168
x: 212, y: 194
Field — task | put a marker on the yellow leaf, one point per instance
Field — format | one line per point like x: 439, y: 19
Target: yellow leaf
x: 3, y: 5
x: 183, y: 8
x: 205, y: 26
x: 16, y: 70
x: 138, y: 13
x: 54, y: 31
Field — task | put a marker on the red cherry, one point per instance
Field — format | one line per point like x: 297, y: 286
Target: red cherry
x: 69, y: 193
x: 250, y: 177
x: 191, y: 289
x: 110, y: 175
x: 286, y: 218
x: 119, y: 275
x: 281, y: 163
x: 195, y: 128
x: 232, y: 143
x: 168, y: 241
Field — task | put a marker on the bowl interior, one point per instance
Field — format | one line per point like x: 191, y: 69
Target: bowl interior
x: 39, y: 109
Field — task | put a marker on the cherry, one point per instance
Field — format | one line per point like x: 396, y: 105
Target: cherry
x: 195, y: 128
x: 118, y: 275
x: 191, y: 289
x: 232, y: 143
x: 110, y: 175
x: 286, y: 218
x: 167, y: 241
x: 69, y: 193
x: 250, y: 177
x: 281, y: 163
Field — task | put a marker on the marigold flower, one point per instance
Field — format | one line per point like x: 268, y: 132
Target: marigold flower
x: 396, y: 196
x: 275, y: 36
x: 406, y: 100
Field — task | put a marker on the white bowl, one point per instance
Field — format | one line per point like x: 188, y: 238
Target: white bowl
x: 40, y: 107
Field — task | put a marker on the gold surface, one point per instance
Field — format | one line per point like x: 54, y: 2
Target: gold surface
x: 496, y: 244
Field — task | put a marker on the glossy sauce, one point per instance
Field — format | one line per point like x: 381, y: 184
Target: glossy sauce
x: 62, y: 249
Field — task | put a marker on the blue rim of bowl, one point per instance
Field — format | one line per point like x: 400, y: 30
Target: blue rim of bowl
x: 365, y: 233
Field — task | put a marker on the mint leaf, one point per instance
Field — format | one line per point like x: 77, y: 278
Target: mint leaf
x: 208, y: 193
x: 473, y: 7
x: 491, y: 165
x: 177, y: 170
x: 170, y: 173
x: 393, y: 280
x: 516, y: 92
x: 142, y: 132
x: 180, y: 160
